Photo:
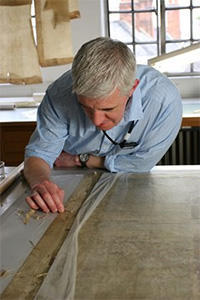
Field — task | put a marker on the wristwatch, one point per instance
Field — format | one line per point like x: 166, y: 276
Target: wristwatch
x: 83, y: 159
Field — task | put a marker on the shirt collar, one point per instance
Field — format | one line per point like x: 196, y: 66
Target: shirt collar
x: 134, y: 109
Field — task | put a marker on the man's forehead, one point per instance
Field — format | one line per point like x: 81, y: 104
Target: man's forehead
x: 94, y: 104
x: 111, y: 101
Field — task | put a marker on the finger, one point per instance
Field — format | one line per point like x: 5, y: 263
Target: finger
x: 41, y: 201
x: 61, y: 207
x: 31, y: 203
x: 47, y: 193
x: 58, y: 203
x: 61, y: 194
x: 57, y: 195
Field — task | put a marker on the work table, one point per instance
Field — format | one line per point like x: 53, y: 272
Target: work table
x: 125, y: 236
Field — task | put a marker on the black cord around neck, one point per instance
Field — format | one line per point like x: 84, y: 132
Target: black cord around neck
x: 124, y: 143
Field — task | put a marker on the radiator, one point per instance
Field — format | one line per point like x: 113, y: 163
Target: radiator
x: 185, y: 150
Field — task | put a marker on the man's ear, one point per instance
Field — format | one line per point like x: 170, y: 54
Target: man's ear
x: 136, y: 82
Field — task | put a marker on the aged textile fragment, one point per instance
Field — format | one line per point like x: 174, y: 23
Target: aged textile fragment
x: 18, y: 56
x: 73, y: 9
x: 53, y: 33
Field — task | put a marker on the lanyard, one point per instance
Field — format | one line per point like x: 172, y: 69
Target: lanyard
x: 124, y: 143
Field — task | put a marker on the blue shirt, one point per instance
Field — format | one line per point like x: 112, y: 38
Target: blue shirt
x: 62, y: 124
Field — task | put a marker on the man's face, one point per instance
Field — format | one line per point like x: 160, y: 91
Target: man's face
x: 105, y: 113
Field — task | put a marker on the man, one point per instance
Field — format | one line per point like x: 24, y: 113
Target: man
x: 101, y: 114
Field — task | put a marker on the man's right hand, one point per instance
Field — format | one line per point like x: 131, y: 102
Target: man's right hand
x: 46, y: 196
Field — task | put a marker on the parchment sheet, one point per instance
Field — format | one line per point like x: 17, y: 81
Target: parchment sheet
x: 18, y: 239
x: 136, y: 237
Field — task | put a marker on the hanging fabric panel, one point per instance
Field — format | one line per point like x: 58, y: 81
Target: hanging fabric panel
x: 18, y: 55
x: 60, y: 10
x: 73, y: 9
x: 63, y: 9
x: 53, y: 32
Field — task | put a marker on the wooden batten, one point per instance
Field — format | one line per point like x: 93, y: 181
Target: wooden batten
x: 14, y: 2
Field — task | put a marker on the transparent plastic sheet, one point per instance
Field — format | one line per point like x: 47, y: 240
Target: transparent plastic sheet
x: 60, y: 280
x: 141, y: 241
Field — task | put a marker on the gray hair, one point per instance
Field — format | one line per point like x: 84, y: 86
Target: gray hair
x: 102, y: 65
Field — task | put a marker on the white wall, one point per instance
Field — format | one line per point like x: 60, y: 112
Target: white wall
x: 189, y: 87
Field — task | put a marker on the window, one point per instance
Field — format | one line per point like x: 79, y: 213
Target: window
x: 33, y: 21
x: 154, y: 27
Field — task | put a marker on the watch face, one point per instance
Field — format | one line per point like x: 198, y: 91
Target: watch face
x: 84, y: 157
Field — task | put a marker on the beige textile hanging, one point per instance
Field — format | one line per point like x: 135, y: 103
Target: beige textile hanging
x: 18, y: 56
x: 73, y: 9
x: 63, y: 9
x: 60, y: 10
x: 53, y: 39
x: 15, y: 2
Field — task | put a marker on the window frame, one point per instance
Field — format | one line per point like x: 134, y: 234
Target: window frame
x: 161, y: 40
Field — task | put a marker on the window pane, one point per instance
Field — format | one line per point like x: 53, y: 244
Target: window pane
x: 176, y: 3
x: 145, y: 4
x: 34, y: 29
x: 113, y: 5
x: 178, y: 24
x: 145, y: 52
x: 145, y: 27
x: 130, y: 47
x: 196, y: 2
x: 196, y: 23
x: 117, y: 5
x: 125, y: 5
x: 32, y: 9
x: 180, y: 66
x: 121, y: 27
x: 196, y: 66
x: 175, y: 46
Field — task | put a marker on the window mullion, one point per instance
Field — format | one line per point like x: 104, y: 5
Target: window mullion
x: 108, y: 17
x: 158, y: 27
x: 162, y: 27
x: 133, y: 26
x: 191, y: 31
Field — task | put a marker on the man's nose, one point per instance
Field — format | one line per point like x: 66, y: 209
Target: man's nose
x: 97, y: 118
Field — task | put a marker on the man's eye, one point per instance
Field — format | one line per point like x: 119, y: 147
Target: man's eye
x: 108, y: 109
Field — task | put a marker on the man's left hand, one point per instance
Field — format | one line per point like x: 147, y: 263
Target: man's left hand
x: 67, y: 160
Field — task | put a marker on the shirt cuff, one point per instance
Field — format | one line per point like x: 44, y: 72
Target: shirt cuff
x: 109, y: 162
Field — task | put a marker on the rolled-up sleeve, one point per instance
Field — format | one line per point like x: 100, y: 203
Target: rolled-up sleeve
x: 50, y: 134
